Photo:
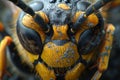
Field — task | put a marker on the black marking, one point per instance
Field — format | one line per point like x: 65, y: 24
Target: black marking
x: 80, y: 20
x: 88, y: 41
x: 59, y: 16
x: 60, y: 42
x: 91, y: 9
x: 41, y: 22
x: 38, y: 19
x: 23, y: 6
x: 29, y: 38
x: 82, y: 5
x: 60, y: 73
x: 96, y: 6
x: 81, y: 60
x: 60, y: 78
x: 67, y: 1
x: 16, y: 60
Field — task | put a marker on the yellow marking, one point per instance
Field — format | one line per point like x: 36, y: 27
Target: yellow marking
x: 76, y: 16
x: 106, y: 48
x: 29, y: 22
x: 44, y: 72
x: 60, y: 32
x: 64, y: 6
x: 90, y: 19
x: 32, y: 57
x: 75, y: 73
x: 3, y: 45
x: 60, y: 56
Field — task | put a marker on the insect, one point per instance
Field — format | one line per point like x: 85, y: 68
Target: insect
x: 60, y: 39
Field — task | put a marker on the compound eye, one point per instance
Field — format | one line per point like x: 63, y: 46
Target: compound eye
x: 29, y: 38
x: 88, y: 41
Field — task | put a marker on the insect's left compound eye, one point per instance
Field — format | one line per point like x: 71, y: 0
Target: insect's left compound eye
x: 29, y: 38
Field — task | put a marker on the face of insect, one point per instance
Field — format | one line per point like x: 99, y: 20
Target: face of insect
x: 60, y: 51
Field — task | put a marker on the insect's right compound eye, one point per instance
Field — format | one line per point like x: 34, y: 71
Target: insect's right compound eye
x: 29, y: 38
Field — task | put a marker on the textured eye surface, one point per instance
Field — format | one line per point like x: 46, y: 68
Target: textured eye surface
x: 29, y: 38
